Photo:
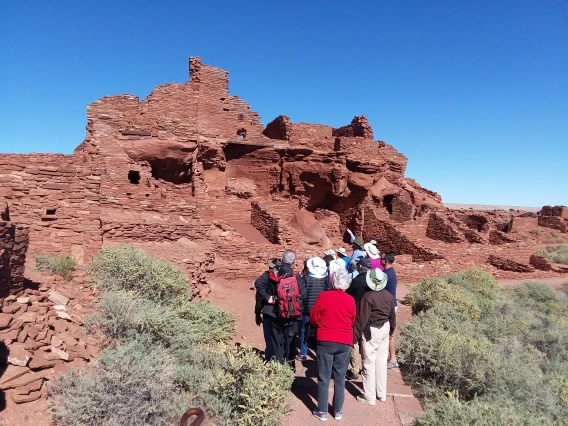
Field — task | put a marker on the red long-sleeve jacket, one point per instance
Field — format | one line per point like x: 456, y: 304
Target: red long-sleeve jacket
x: 334, y: 315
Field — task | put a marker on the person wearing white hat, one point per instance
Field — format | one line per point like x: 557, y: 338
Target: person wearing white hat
x: 342, y: 254
x: 374, y: 255
x: 315, y: 282
x: 375, y: 324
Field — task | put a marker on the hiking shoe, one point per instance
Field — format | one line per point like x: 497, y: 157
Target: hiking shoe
x: 362, y: 399
x: 320, y: 415
x: 392, y: 364
x: 351, y: 376
x: 301, y: 357
x: 382, y: 398
x: 338, y: 415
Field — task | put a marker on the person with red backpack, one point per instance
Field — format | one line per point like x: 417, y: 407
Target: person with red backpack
x: 283, y: 311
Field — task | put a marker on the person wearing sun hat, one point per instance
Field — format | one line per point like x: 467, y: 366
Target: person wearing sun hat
x: 374, y: 255
x: 342, y: 254
x: 315, y: 282
x: 374, y: 326
x: 357, y: 244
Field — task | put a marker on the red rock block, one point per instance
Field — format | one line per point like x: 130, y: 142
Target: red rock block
x: 17, y: 355
x: 20, y: 399
x: 5, y: 320
x: 508, y: 264
x: 40, y: 363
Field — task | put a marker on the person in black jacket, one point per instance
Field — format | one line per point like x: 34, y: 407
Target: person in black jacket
x: 283, y: 331
x: 357, y: 290
x: 265, y: 287
x: 315, y: 282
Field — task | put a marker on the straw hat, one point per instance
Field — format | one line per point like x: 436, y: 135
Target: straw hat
x: 372, y: 251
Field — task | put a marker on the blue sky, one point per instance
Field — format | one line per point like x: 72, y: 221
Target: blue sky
x: 474, y: 93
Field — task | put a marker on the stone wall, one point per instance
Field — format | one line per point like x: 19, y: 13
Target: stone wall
x: 58, y: 198
x: 14, y: 239
x: 553, y: 222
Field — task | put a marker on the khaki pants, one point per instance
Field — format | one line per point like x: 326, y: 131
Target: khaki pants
x: 354, y: 363
x: 374, y: 353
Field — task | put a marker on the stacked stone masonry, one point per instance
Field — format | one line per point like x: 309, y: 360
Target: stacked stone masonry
x: 190, y: 172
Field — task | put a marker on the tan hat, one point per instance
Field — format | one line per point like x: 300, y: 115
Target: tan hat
x: 329, y: 252
x: 372, y: 251
x: 342, y: 251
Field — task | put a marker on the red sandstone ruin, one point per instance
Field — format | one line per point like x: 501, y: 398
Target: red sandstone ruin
x: 190, y: 174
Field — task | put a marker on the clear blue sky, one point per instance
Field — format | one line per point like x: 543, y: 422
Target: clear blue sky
x: 474, y: 93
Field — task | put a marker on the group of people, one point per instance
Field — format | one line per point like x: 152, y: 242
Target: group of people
x: 343, y: 307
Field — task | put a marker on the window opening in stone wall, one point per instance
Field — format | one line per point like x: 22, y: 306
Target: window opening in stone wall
x: 387, y: 202
x: 241, y: 117
x: 242, y: 133
x: 50, y: 212
x: 134, y: 177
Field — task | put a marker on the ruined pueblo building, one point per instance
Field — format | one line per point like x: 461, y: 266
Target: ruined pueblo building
x: 191, y: 174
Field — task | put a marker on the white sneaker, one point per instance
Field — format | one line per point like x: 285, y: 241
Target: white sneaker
x: 362, y: 399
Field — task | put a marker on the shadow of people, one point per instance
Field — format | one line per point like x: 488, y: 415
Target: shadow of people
x: 306, y: 390
x: 34, y: 285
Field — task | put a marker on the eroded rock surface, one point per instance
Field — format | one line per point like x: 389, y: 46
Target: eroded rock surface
x: 191, y: 174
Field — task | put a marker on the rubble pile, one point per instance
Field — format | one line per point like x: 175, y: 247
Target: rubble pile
x: 42, y: 337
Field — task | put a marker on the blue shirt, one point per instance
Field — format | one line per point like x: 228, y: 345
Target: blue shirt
x: 356, y: 255
x: 391, y: 283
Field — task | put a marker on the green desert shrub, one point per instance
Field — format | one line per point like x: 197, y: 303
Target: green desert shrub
x: 506, y: 366
x: 248, y: 392
x: 132, y: 384
x: 60, y: 265
x: 556, y: 254
x: 131, y: 269
x: 453, y: 411
x: 236, y: 386
x: 442, y: 350
x: 470, y: 292
x: 126, y: 315
x: 535, y: 231
x: 147, y: 314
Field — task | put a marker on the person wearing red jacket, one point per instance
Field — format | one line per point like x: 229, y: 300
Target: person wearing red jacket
x: 334, y: 316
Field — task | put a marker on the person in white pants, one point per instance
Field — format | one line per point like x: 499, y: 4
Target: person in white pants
x: 375, y: 323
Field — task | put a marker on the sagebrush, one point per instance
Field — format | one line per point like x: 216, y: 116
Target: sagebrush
x: 60, y: 265
x: 132, y: 384
x: 556, y: 254
x: 131, y: 269
x: 169, y: 354
x: 501, y: 354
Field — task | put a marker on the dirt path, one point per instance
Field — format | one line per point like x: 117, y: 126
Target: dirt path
x: 238, y: 297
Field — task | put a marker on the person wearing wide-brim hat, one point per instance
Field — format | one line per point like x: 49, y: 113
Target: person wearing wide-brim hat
x: 357, y: 244
x: 374, y: 256
x: 315, y: 282
x: 375, y: 323
x: 342, y: 254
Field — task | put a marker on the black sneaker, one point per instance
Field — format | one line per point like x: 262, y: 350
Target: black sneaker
x: 351, y: 376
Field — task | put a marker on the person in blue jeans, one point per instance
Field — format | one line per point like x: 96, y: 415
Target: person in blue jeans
x: 315, y: 282
x: 333, y: 315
